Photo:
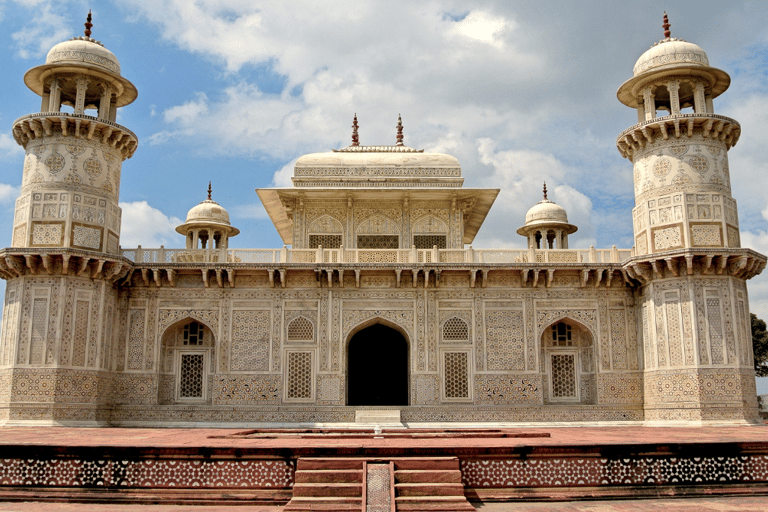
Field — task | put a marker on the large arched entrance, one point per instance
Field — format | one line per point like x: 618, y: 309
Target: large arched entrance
x: 377, y: 367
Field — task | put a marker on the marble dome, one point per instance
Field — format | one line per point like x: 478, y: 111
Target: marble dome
x: 546, y: 211
x: 669, y: 52
x: 208, y: 213
x: 83, y: 50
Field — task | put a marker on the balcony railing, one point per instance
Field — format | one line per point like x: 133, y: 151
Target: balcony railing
x: 376, y: 256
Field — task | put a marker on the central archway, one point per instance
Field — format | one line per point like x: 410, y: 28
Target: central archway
x: 377, y: 367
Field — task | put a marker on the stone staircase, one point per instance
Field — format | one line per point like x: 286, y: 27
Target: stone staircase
x: 421, y: 484
x: 328, y: 485
x: 429, y: 483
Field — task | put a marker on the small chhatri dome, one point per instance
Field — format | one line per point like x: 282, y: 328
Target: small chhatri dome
x: 544, y: 217
x: 208, y: 213
x: 82, y: 53
x: 546, y: 211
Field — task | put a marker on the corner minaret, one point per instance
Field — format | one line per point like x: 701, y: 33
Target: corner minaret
x: 690, y: 269
x: 74, y: 149
x: 679, y: 149
x: 57, y: 344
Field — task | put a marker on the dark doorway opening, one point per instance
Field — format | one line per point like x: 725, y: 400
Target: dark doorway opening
x: 377, y: 367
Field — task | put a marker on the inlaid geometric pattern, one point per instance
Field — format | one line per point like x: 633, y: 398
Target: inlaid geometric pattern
x: 136, y: 339
x: 715, y: 330
x: 455, y: 329
x: 672, y: 303
x: 81, y: 332
x: 300, y: 329
x: 250, y: 340
x: 83, y: 236
x: 429, y: 241
x: 39, y: 328
x: 191, y: 376
x: 589, y: 471
x: 46, y: 234
x: 378, y: 492
x: 456, y: 383
x: 147, y: 473
x: 706, y: 235
x: 300, y: 375
x: 504, y: 339
x: 667, y: 238
x: 563, y: 376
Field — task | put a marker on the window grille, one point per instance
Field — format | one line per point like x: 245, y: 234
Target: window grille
x: 193, y: 333
x: 564, y: 376
x: 456, y: 369
x: 191, y: 376
x: 455, y: 329
x: 378, y: 241
x: 429, y: 241
x: 301, y: 329
x: 327, y: 241
x: 561, y: 335
x: 299, y: 375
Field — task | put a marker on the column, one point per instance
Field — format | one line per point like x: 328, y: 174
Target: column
x: 105, y: 101
x: 674, y: 96
x: 649, y: 104
x: 54, y: 103
x: 82, y: 86
x: 699, y: 102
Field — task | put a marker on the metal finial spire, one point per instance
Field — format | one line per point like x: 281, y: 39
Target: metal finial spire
x: 666, y: 26
x: 209, y: 191
x: 355, y: 137
x: 399, y: 131
x: 545, y: 190
x: 88, y: 24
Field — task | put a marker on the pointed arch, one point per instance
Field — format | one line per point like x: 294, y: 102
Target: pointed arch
x: 300, y: 328
x: 429, y: 224
x: 325, y: 224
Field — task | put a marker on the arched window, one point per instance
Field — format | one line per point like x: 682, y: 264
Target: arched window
x: 455, y: 329
x: 193, y: 334
x: 567, y: 355
x: 301, y: 329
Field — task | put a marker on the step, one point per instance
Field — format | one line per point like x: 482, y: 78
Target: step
x: 433, y: 503
x: 428, y: 475
x: 304, y: 464
x: 429, y: 489
x: 327, y: 489
x: 437, y: 463
x: 302, y: 503
x: 329, y: 476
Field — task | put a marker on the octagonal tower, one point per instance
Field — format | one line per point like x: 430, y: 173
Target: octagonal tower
x: 74, y: 149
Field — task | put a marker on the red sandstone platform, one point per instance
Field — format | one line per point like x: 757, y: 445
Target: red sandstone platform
x: 262, y: 468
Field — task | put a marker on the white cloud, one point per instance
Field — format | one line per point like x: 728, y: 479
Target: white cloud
x: 483, y: 27
x: 45, y: 29
x: 8, y: 147
x: 147, y: 226
x: 282, y: 177
x: 8, y: 193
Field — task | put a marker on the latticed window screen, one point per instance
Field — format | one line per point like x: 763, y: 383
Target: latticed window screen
x: 193, y: 334
x: 456, y: 379
x: 378, y: 241
x: 561, y: 335
x: 563, y: 376
x: 191, y: 376
x: 455, y: 329
x: 327, y: 241
x: 301, y: 329
x: 429, y: 241
x: 299, y: 375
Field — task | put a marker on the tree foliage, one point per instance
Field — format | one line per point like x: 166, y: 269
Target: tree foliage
x: 760, y: 346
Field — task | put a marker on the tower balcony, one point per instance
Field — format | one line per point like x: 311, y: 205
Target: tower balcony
x: 48, y: 124
x: 677, y: 126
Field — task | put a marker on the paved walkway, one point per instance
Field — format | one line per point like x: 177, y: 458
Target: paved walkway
x: 714, y: 504
x: 228, y: 438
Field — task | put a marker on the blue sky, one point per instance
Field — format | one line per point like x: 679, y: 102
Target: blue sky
x: 233, y: 91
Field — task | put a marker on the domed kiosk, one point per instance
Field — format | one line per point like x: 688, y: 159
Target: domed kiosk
x: 547, y: 221
x: 207, y: 222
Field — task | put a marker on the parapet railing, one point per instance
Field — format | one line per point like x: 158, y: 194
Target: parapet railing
x: 376, y: 256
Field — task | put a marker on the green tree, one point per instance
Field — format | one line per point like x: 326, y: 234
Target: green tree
x: 760, y: 346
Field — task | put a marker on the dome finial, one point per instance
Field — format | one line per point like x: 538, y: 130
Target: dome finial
x: 88, y: 24
x: 666, y: 26
x: 545, y: 190
x: 355, y: 137
x: 209, y: 191
x: 399, y: 131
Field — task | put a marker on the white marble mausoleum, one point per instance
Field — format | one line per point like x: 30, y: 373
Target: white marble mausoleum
x: 377, y: 306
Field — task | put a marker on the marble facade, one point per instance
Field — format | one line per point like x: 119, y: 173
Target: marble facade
x: 93, y: 334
